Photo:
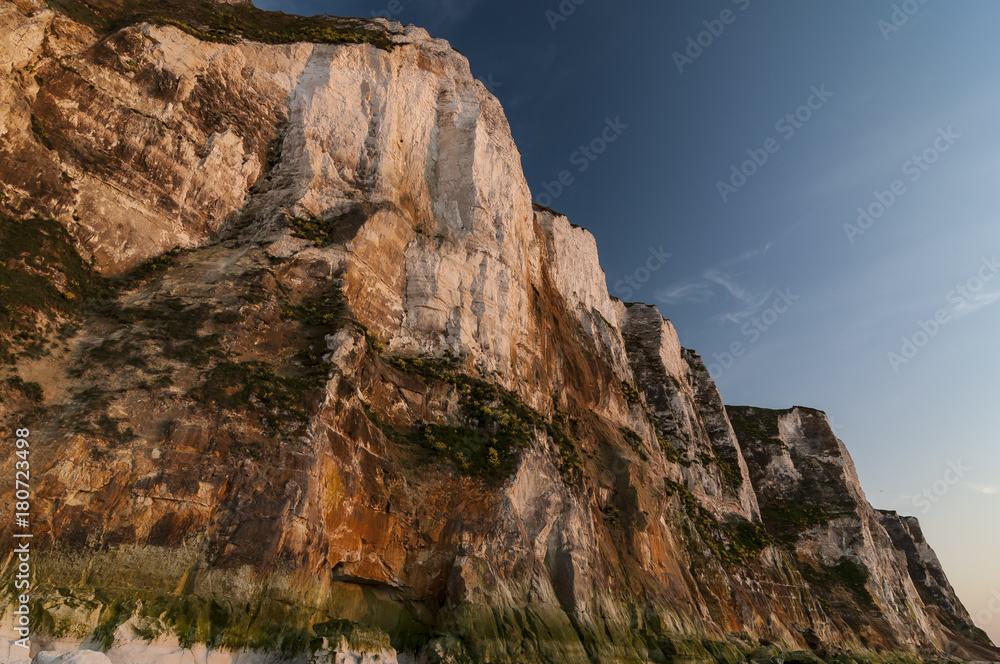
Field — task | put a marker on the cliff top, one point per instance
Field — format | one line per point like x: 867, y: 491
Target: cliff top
x: 228, y: 22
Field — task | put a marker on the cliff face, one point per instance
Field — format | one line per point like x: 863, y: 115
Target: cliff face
x: 861, y: 561
x: 325, y: 382
x: 928, y: 576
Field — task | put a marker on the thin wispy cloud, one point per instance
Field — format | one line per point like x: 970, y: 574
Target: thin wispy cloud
x: 750, y: 254
x: 732, y: 287
x: 718, y: 284
x: 452, y: 10
x: 690, y: 290
x: 750, y: 301
x: 975, y: 303
x: 984, y: 489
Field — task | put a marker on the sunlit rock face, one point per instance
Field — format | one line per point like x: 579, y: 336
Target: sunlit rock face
x: 377, y: 406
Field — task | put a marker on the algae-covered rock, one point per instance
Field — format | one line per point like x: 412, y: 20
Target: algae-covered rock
x: 763, y: 654
x: 799, y: 657
x: 341, y: 641
x: 724, y: 653
x: 342, y: 637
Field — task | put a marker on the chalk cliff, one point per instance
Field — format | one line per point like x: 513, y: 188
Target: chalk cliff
x: 308, y: 376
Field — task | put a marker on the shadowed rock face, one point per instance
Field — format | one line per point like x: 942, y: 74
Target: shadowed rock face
x: 928, y: 575
x: 376, y: 403
x: 871, y: 569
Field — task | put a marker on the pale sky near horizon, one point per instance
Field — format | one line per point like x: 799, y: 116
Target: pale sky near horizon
x: 888, y: 321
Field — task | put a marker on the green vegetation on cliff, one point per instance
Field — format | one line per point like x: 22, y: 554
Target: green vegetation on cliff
x: 41, y: 273
x: 786, y: 520
x: 340, y: 228
x: 496, y: 425
x: 729, y: 468
x: 634, y: 441
x: 752, y: 423
x: 152, y: 339
x: 630, y: 394
x: 147, y: 615
x: 846, y: 574
x: 256, y: 386
x: 734, y: 544
x: 223, y: 23
x: 45, y: 286
x: 674, y: 454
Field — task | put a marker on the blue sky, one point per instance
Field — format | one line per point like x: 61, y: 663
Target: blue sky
x: 904, y: 123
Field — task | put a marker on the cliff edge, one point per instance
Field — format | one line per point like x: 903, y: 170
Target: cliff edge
x: 308, y: 377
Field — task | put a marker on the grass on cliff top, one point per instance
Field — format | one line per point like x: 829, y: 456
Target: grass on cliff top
x: 752, y: 423
x: 223, y: 23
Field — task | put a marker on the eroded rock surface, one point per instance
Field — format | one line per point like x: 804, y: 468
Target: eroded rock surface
x: 376, y: 406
